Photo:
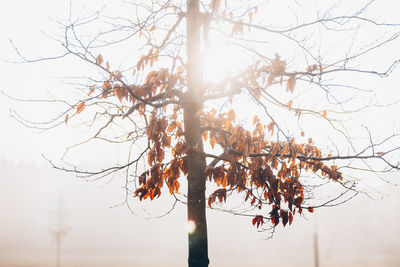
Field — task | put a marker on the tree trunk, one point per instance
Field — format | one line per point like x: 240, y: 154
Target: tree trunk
x: 196, y: 206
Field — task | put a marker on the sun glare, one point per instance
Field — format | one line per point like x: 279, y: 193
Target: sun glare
x: 190, y: 226
x: 221, y: 61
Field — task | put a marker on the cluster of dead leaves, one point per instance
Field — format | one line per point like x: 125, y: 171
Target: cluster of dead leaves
x: 267, y: 172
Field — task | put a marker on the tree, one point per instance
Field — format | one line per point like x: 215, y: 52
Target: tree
x: 60, y: 229
x: 186, y: 125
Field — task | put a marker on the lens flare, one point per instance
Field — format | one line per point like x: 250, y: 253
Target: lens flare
x: 190, y: 226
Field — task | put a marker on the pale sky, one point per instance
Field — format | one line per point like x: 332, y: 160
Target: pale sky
x: 360, y: 232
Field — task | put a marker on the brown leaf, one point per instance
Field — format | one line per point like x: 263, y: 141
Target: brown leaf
x: 215, y: 4
x: 221, y: 195
x: 212, y: 140
x: 80, y: 107
x: 289, y: 104
x: 290, y: 84
x: 255, y: 120
x: 290, y: 218
x: 270, y: 79
x: 99, y: 59
x: 271, y: 127
x: 285, y: 217
x: 258, y: 220
x: 180, y: 69
x: 231, y: 115
x: 274, y: 215
x: 247, y: 195
x: 278, y: 66
x: 91, y: 90
x: 211, y: 200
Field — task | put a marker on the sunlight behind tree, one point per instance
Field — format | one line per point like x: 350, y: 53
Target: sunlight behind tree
x: 187, y: 86
x: 190, y: 226
x: 222, y: 60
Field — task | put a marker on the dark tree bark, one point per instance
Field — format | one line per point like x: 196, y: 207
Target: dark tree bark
x: 198, y: 248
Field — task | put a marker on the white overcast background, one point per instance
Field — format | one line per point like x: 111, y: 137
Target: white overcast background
x: 363, y: 232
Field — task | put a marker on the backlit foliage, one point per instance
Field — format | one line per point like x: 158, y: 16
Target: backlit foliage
x: 265, y: 171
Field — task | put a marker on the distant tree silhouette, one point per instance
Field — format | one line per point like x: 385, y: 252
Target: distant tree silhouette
x: 60, y: 229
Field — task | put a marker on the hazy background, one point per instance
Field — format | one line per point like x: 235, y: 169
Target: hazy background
x: 363, y: 232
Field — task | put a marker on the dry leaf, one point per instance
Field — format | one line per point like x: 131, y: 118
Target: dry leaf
x: 80, y: 107
x: 289, y: 104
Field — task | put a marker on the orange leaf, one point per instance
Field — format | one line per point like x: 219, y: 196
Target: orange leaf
x: 66, y: 118
x: 250, y: 16
x: 289, y: 104
x: 180, y: 69
x: 271, y: 127
x: 255, y: 120
x: 311, y: 209
x: 80, y: 107
x: 91, y: 90
x: 205, y: 135
x: 231, y: 115
x: 212, y: 141
x: 324, y: 114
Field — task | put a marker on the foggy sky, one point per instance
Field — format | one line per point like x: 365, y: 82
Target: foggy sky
x: 362, y: 232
